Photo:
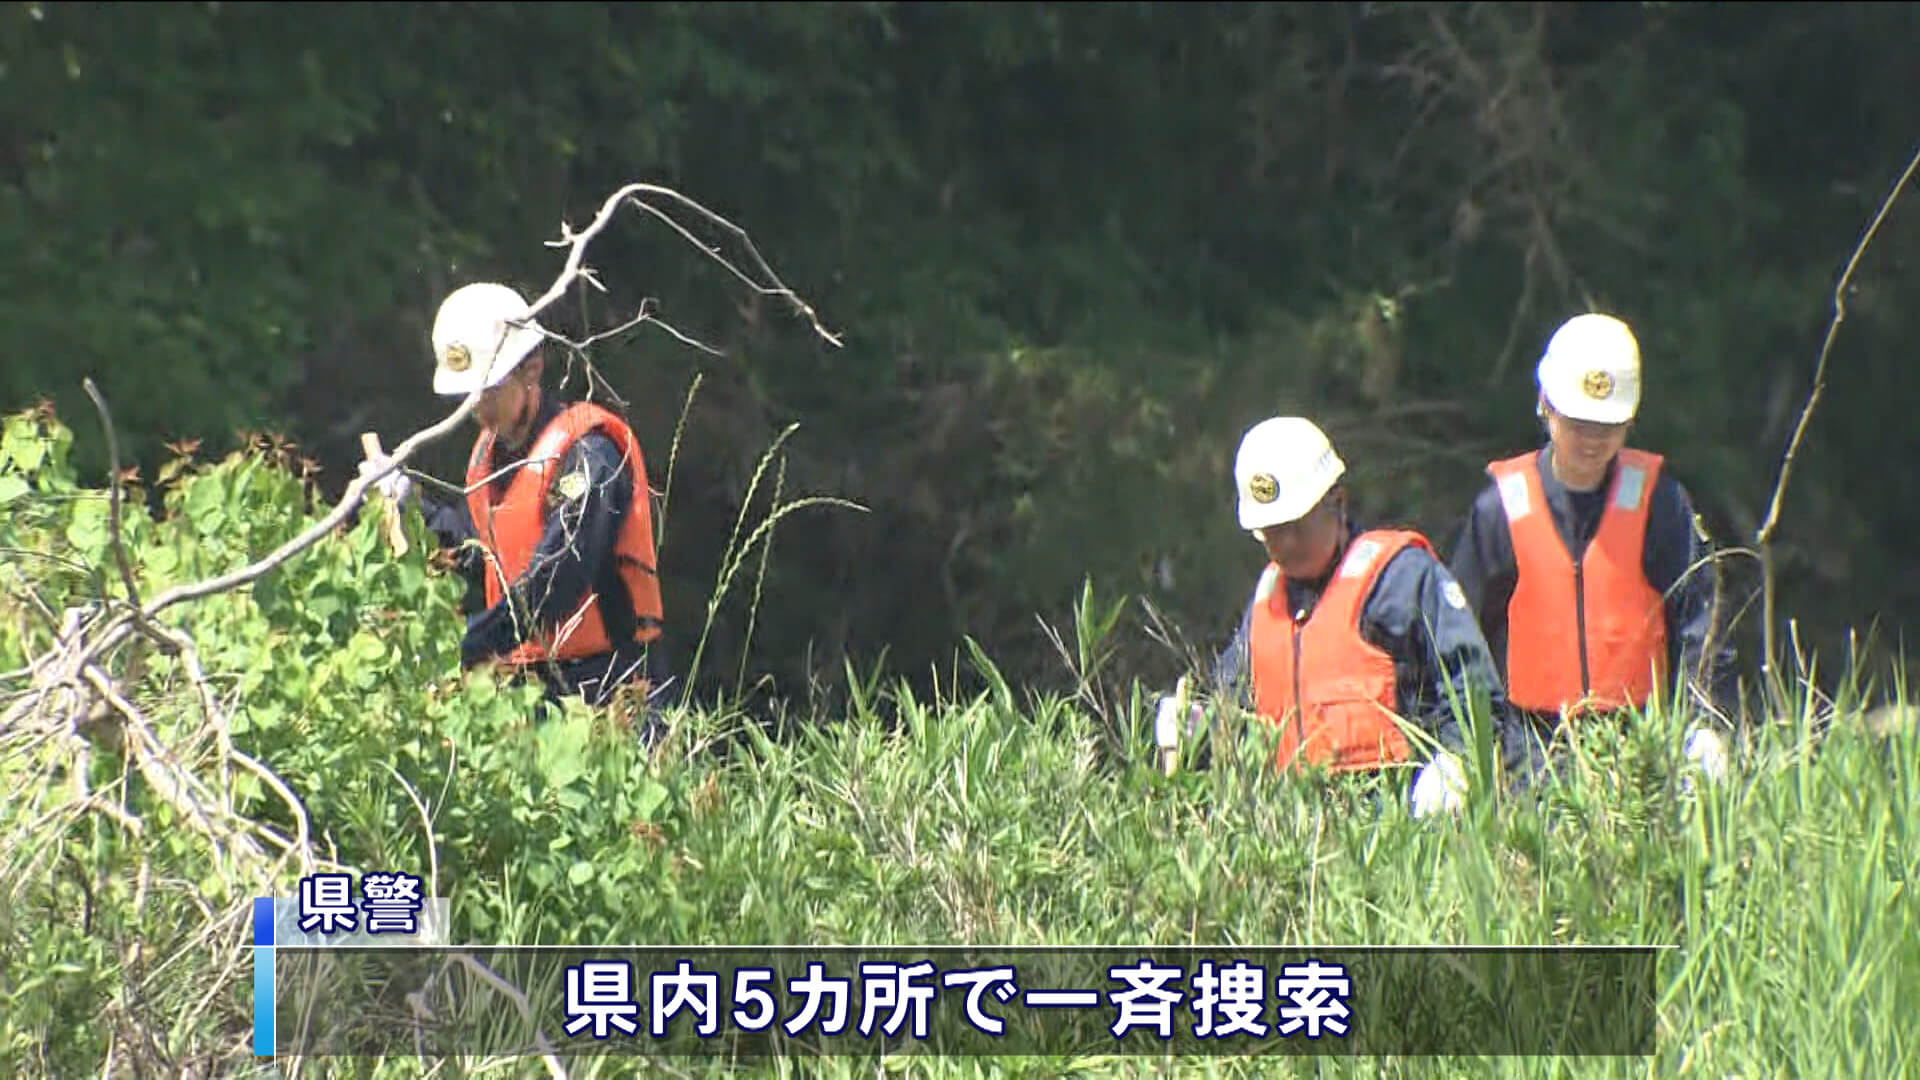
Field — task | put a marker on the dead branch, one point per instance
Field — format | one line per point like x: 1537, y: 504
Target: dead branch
x: 576, y: 243
x: 1763, y: 539
x: 777, y: 288
x: 113, y: 504
x: 644, y: 315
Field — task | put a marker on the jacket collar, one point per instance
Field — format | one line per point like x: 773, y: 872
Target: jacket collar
x: 1304, y: 595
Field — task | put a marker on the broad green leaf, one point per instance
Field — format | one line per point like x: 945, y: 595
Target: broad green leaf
x: 26, y: 449
x: 161, y: 559
x: 204, y: 496
x: 649, y: 799
x: 562, y: 743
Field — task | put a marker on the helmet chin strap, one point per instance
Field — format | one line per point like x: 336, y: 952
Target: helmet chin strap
x: 523, y: 419
x: 1339, y: 537
x: 527, y: 408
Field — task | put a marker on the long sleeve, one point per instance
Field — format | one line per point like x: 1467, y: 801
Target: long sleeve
x: 1483, y: 565
x: 1697, y: 648
x: 1419, y: 614
x: 583, y: 522
x: 1231, y: 676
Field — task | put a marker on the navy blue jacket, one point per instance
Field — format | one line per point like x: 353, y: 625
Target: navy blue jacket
x: 1483, y: 563
x: 1417, y: 618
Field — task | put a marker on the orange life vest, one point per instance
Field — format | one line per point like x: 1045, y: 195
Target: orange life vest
x: 1330, y: 691
x: 1589, y: 634
x: 510, y: 528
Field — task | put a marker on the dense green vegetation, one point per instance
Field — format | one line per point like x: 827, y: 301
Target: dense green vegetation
x: 973, y: 814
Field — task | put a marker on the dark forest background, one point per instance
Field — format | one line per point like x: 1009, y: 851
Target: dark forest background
x: 1075, y: 250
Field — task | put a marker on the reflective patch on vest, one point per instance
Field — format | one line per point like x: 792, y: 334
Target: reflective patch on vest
x: 1456, y: 596
x: 1360, y: 558
x: 1513, y: 496
x: 1268, y: 578
x: 569, y: 487
x: 1633, y: 483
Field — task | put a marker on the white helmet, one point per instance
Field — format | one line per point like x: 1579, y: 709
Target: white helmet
x: 1285, y: 467
x: 1591, y: 370
x: 475, y: 341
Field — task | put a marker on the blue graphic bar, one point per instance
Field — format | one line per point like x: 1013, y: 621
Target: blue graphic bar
x: 263, y: 921
x: 263, y: 1001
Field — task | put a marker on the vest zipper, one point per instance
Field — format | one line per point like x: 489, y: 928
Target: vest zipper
x: 1299, y: 703
x: 1580, y: 622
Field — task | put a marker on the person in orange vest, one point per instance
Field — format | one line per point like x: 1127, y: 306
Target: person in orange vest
x: 555, y: 536
x: 1575, y: 556
x: 1350, y: 630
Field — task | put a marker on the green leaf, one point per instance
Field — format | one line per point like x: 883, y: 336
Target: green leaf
x: 204, y: 496
x: 87, y: 530
x: 561, y: 753
x: 324, y: 606
x: 11, y: 488
x: 481, y: 689
x: 409, y: 579
x: 162, y: 559
x: 247, y: 787
x: 367, y: 649
x: 24, y: 447
x: 580, y: 873
x: 651, y: 797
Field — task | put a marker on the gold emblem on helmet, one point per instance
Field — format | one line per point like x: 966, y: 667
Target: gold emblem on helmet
x: 1597, y: 384
x: 458, y: 357
x: 1263, y: 488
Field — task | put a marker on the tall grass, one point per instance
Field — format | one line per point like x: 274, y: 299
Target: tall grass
x: 1785, y: 890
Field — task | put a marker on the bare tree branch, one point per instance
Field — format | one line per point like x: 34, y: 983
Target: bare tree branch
x: 644, y: 315
x: 1763, y: 539
x: 573, y: 270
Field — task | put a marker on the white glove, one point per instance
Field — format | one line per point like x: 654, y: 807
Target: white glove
x: 1705, y: 748
x: 1441, y: 785
x: 1166, y: 722
x: 396, y: 485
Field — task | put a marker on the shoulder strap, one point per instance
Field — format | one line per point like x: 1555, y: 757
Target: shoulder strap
x: 1360, y: 568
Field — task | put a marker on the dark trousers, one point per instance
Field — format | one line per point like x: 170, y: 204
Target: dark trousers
x: 597, y: 680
